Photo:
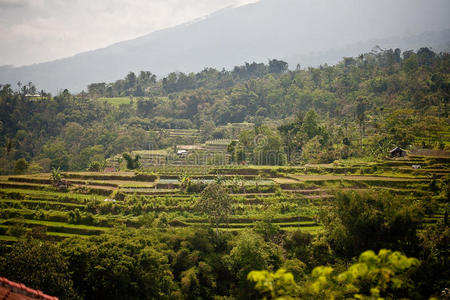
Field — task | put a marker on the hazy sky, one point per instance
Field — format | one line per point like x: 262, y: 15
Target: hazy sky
x: 33, y: 31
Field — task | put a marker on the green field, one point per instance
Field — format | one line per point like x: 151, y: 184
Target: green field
x: 116, y: 101
x: 289, y: 197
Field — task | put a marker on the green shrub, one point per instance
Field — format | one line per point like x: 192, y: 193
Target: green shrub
x: 96, y: 166
x: 374, y: 276
x: 20, y: 166
x: 355, y: 221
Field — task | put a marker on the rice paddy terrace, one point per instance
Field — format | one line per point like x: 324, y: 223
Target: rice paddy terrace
x: 212, y: 152
x: 91, y: 203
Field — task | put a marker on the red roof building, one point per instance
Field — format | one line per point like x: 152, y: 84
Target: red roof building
x: 10, y: 290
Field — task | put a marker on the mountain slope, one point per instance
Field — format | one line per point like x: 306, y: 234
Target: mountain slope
x: 292, y: 29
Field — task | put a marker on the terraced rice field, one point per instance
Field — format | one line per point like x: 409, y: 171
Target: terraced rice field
x: 289, y: 197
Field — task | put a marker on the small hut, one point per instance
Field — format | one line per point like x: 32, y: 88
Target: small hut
x: 397, y: 152
x: 182, y: 153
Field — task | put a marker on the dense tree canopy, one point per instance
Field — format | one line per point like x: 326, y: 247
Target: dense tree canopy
x: 361, y: 106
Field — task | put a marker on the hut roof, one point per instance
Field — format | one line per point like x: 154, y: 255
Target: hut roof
x: 397, y: 149
x: 13, y: 290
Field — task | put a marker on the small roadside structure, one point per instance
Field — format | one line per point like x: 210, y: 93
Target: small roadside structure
x: 397, y: 152
x: 182, y: 153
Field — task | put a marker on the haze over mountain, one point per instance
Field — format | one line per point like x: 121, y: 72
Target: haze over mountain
x: 307, y: 32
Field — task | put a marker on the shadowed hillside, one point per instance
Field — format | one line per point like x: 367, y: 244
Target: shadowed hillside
x: 305, y: 32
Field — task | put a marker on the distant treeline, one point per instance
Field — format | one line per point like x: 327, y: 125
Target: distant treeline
x: 146, y: 83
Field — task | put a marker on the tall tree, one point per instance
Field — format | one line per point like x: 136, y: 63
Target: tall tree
x: 215, y: 202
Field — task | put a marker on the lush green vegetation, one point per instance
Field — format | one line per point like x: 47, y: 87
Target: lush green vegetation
x: 255, y: 182
x: 360, y: 107
x: 114, y: 232
x: 385, y: 274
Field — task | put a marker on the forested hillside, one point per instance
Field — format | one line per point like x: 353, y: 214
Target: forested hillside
x: 309, y: 32
x: 306, y: 204
x: 360, y: 107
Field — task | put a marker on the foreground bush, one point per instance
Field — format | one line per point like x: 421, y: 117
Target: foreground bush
x: 386, y: 275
